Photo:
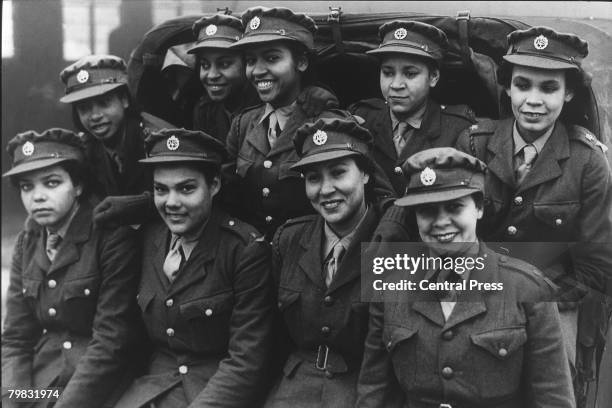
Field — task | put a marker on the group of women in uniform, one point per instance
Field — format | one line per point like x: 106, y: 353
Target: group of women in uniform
x: 245, y: 289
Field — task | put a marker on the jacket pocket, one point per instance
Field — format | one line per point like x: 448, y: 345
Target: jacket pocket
x: 394, y: 335
x: 207, y: 321
x: 243, y: 165
x: 286, y: 297
x: 290, y: 308
x: 144, y: 298
x: 500, y: 361
x: 81, y: 288
x: 30, y: 288
x: 557, y: 215
x: 286, y: 172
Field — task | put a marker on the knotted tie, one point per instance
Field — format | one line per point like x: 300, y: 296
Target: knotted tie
x: 332, y: 264
x: 274, y: 129
x: 529, y: 155
x: 53, y: 242
x: 174, y: 259
x: 399, y: 137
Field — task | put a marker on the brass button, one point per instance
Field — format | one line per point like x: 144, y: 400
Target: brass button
x: 265, y: 191
x: 169, y: 302
x: 267, y: 164
x: 447, y: 372
x: 511, y: 230
x: 558, y: 222
x: 208, y: 312
x: 231, y: 223
x: 328, y: 300
x: 52, y: 283
x: 398, y: 170
x: 502, y: 352
x: 86, y: 292
x: 268, y: 219
x: 325, y: 330
x: 448, y: 335
x: 24, y: 290
x: 518, y: 200
x: 52, y: 312
x: 67, y: 345
x: 170, y: 332
x: 183, y: 369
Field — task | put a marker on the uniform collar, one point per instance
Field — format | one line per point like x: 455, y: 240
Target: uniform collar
x: 414, y: 121
x: 520, y: 143
x: 332, y: 239
x: 188, y: 245
x: 61, y: 231
x: 282, y: 114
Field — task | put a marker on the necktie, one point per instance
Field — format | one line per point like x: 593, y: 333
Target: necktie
x: 399, y: 137
x: 174, y: 259
x: 448, y: 275
x: 332, y: 264
x: 53, y: 242
x: 274, y: 129
x: 529, y: 155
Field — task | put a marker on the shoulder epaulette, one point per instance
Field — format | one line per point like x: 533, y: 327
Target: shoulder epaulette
x: 240, y: 228
x: 154, y: 123
x: 461, y: 111
x: 521, y: 267
x: 484, y: 127
x: 300, y: 220
x: 583, y: 135
x: 371, y: 103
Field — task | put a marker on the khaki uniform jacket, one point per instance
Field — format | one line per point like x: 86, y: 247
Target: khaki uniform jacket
x: 440, y: 128
x: 566, y: 198
x: 497, y: 348
x: 71, y: 323
x: 316, y: 315
x: 211, y: 327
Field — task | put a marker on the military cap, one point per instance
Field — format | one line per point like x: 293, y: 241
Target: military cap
x: 181, y: 145
x: 330, y: 137
x: 411, y: 37
x: 218, y: 31
x: 92, y: 76
x: 32, y: 151
x: 262, y: 24
x: 441, y: 174
x: 178, y: 56
x: 543, y: 47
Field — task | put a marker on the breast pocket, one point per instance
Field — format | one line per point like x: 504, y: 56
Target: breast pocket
x: 243, y: 164
x: 498, y: 357
x: 290, y: 307
x: 557, y: 216
x: 285, y: 171
x: 400, y: 343
x: 80, y: 297
x: 208, y: 321
x: 30, y: 288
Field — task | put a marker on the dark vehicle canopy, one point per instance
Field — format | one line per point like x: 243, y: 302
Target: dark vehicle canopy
x: 468, y: 71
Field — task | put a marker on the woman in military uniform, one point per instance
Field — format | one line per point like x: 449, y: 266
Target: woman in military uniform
x: 317, y: 267
x: 407, y: 120
x: 549, y: 181
x: 454, y: 348
x: 96, y: 86
x: 263, y: 188
x: 71, y: 319
x: 205, y: 292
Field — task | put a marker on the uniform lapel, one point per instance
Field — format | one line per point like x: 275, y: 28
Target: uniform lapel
x: 159, y: 250
x: 257, y: 137
x: 546, y: 166
x: 204, y: 252
x: 285, y: 139
x: 78, y: 232
x: 425, y: 136
x: 383, y: 139
x: 41, y: 260
x: 310, y: 259
x: 430, y: 308
x: 350, y: 267
x: 500, y: 145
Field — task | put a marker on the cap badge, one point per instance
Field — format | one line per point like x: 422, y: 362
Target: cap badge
x: 28, y: 148
x: 82, y: 76
x: 320, y: 137
x: 255, y: 22
x: 211, y: 29
x: 428, y: 176
x: 540, y: 42
x: 172, y: 143
x: 400, y: 33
